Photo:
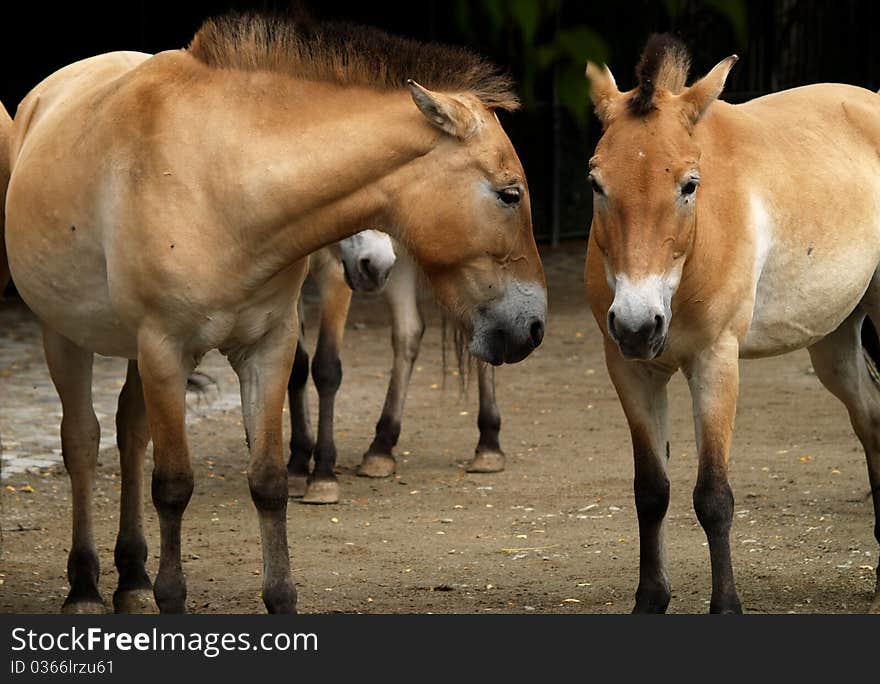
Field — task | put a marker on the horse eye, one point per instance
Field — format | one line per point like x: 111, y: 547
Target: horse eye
x: 598, y: 189
x: 509, y: 196
x: 689, y: 188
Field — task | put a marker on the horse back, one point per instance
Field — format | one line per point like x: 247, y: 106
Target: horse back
x: 809, y: 183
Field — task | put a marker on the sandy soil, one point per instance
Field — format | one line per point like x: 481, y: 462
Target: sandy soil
x: 555, y: 532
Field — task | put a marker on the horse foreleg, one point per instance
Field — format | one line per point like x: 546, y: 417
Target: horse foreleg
x: 302, y: 442
x: 839, y: 364
x: 262, y: 369
x: 163, y: 371
x: 323, y: 486
x: 488, y: 458
x: 642, y: 392
x: 713, y: 378
x: 134, y: 593
x: 407, y: 328
x: 71, y: 369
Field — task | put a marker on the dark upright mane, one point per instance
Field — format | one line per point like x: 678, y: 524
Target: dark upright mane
x: 664, y: 64
x: 348, y: 55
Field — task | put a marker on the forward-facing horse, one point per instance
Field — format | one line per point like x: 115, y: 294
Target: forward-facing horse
x: 317, y: 483
x: 163, y: 206
x: 722, y: 232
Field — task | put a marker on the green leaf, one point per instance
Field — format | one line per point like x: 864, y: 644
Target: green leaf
x: 573, y: 92
x: 496, y: 11
x: 580, y: 43
x: 527, y: 15
x: 545, y: 55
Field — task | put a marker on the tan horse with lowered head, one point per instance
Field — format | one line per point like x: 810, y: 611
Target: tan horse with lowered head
x: 163, y: 206
x: 722, y: 232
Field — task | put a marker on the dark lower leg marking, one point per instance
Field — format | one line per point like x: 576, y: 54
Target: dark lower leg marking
x: 83, y: 573
x: 651, y: 488
x: 489, y: 423
x: 302, y: 443
x: 489, y: 418
x: 327, y: 375
x: 387, y: 434
x: 171, y: 494
x: 130, y: 556
x: 133, y: 436
x: 269, y: 492
x: 713, y: 504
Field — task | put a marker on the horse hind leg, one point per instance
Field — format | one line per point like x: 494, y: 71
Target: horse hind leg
x: 323, y: 486
x: 488, y: 458
x: 163, y: 369
x: 407, y: 329
x: 302, y: 442
x: 262, y: 399
x: 134, y: 593
x: 71, y: 369
x: 840, y: 364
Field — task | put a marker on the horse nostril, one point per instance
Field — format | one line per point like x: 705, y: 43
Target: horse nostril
x: 611, y: 323
x: 368, y: 269
x: 536, y: 332
x: 658, y: 324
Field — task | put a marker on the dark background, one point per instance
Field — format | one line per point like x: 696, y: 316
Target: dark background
x: 544, y: 43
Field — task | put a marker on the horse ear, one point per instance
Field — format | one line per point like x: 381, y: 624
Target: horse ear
x: 603, y: 91
x: 444, y: 111
x: 705, y: 91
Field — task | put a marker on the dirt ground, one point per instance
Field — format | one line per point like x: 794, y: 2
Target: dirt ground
x: 555, y: 532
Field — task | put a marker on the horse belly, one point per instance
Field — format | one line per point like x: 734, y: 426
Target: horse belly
x: 78, y: 309
x: 806, y: 294
x: 61, y: 275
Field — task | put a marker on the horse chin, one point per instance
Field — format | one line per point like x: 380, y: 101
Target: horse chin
x: 647, y: 353
x: 491, y: 355
x: 496, y: 349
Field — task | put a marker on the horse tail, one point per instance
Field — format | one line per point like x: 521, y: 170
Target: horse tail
x: 5, y: 167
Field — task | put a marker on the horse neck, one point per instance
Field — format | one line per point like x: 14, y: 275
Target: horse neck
x: 315, y: 167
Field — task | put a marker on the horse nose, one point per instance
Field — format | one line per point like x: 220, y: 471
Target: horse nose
x: 638, y: 336
x: 513, y: 344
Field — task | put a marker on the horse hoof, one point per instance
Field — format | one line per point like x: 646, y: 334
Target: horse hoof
x: 322, y: 491
x: 733, y: 608
x: 84, y: 608
x: 296, y: 485
x: 487, y: 462
x: 135, y: 602
x: 376, y: 465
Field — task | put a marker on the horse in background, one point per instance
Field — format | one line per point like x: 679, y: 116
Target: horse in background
x: 320, y: 485
x: 723, y: 232
x: 359, y: 263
